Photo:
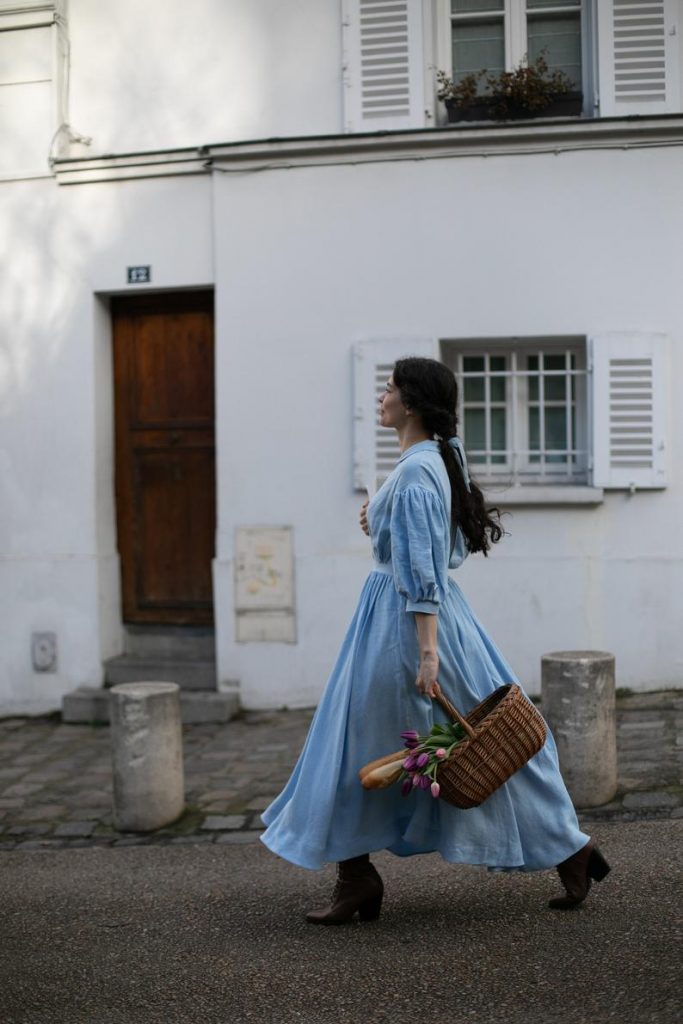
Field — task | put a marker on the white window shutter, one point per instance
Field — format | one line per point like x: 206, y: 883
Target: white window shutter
x: 629, y: 405
x: 375, y: 448
x: 638, y: 57
x: 383, y: 72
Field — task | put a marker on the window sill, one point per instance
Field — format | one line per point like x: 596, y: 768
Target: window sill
x: 538, y: 494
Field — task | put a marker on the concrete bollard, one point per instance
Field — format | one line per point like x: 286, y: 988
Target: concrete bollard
x: 147, y: 755
x: 577, y: 691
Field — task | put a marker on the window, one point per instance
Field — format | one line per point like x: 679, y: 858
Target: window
x: 547, y: 419
x: 28, y: 118
x: 523, y: 409
x: 499, y: 34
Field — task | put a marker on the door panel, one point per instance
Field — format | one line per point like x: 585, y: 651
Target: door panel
x: 165, y: 456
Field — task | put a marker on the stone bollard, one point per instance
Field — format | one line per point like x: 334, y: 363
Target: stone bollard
x: 577, y: 691
x: 147, y: 755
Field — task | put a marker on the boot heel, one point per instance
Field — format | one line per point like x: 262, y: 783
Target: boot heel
x: 597, y: 865
x: 369, y: 911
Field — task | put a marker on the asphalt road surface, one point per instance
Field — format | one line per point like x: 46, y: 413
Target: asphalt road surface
x: 216, y: 935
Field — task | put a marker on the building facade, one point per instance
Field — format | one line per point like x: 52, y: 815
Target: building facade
x: 222, y: 223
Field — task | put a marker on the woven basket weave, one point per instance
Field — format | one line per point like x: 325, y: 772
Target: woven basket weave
x: 503, y: 733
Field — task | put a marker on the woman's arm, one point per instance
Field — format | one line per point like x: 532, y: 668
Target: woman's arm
x: 426, y: 625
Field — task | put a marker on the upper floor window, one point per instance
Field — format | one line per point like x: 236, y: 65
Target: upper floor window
x: 28, y: 85
x: 623, y: 55
x: 500, y: 34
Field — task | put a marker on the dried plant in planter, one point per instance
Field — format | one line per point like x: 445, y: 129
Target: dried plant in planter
x: 526, y: 91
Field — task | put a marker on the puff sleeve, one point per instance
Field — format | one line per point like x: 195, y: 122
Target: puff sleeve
x: 420, y: 533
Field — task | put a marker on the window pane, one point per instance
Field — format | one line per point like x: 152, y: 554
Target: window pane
x: 465, y: 6
x: 533, y: 389
x: 497, y: 389
x: 555, y: 433
x: 473, y: 364
x: 555, y: 389
x: 474, y: 389
x: 478, y: 45
x: 532, y: 362
x: 498, y: 429
x: 498, y: 435
x: 534, y: 432
x: 475, y: 432
x: 554, y: 362
x: 497, y: 364
x: 561, y: 38
x: 552, y: 3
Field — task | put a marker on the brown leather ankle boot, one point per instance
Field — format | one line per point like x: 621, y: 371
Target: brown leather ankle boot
x: 359, y: 888
x: 576, y: 873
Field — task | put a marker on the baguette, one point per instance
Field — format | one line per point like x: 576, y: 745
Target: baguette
x: 384, y: 775
x: 402, y: 754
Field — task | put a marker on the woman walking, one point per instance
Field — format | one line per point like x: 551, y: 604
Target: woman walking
x: 413, y: 631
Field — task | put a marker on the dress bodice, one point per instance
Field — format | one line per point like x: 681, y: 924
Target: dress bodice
x: 409, y: 523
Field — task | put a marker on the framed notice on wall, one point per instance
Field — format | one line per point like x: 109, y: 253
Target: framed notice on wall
x: 264, y: 585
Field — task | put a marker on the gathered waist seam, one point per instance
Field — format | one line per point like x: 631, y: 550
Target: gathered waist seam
x: 383, y: 567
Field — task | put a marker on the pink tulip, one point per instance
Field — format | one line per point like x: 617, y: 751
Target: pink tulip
x: 440, y: 754
x: 416, y: 780
x: 436, y: 788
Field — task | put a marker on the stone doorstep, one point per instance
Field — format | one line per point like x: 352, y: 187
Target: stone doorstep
x: 91, y: 704
x: 190, y: 673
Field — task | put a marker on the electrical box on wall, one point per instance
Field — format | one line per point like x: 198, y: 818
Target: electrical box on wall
x: 44, y: 652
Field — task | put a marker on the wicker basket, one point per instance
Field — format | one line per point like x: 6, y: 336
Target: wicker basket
x: 504, y: 732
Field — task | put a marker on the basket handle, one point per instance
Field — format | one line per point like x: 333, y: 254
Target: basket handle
x: 454, y: 713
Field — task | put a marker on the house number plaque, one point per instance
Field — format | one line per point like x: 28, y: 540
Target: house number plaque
x: 139, y: 275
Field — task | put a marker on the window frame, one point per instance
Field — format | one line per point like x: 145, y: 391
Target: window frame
x: 522, y: 468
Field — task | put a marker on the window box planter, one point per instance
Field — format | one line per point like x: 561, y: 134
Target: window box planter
x: 484, y: 109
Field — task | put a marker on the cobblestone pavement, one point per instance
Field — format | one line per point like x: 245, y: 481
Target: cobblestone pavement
x: 56, y: 790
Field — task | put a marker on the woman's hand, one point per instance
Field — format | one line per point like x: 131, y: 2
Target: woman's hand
x: 364, y: 517
x: 426, y: 675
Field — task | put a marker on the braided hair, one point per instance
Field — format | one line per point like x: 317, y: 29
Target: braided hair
x: 429, y: 389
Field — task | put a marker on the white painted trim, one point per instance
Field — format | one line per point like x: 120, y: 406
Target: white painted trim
x: 16, y: 14
x: 545, y: 495
x: 563, y: 135
x: 610, y: 104
x: 614, y: 415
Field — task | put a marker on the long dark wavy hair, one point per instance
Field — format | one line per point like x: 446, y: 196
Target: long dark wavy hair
x: 429, y: 389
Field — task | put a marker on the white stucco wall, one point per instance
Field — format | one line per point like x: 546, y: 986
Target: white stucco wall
x: 305, y: 262
x: 313, y: 259
x: 60, y: 250
x: 171, y: 74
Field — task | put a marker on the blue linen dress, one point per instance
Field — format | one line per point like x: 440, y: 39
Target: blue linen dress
x: 323, y: 813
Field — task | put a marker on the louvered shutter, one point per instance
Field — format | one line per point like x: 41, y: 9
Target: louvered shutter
x: 375, y: 448
x: 383, y: 65
x: 630, y: 382
x: 638, y: 57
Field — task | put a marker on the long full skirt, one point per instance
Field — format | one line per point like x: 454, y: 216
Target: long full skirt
x: 324, y: 814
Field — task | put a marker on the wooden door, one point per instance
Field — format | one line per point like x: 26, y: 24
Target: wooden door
x: 165, y: 473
